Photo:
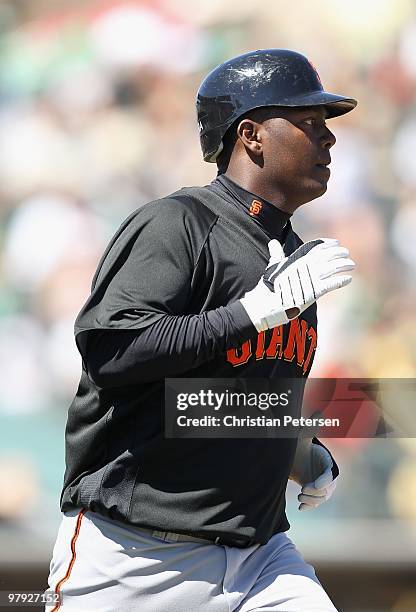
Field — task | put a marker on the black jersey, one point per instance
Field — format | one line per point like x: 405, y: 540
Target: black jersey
x: 164, y: 303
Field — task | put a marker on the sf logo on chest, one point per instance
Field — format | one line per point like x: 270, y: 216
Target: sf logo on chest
x: 255, y: 208
x: 299, y: 345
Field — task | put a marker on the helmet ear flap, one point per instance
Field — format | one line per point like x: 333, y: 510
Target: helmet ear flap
x: 214, y: 156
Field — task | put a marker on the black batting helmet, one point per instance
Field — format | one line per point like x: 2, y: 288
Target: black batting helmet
x: 267, y: 77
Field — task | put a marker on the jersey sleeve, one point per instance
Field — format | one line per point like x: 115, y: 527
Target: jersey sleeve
x: 169, y: 347
x: 145, y: 272
x: 136, y: 326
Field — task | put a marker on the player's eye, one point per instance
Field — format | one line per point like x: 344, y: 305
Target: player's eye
x: 315, y: 122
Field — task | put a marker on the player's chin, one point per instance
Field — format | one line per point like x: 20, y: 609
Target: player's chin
x: 321, y: 188
x: 314, y: 189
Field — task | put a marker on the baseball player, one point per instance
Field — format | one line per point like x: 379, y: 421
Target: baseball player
x: 207, y: 282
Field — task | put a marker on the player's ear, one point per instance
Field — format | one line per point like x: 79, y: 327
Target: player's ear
x: 249, y: 133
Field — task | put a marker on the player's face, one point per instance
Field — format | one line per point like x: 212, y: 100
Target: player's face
x: 296, y: 152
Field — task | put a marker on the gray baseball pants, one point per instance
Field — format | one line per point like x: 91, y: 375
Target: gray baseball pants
x: 100, y: 565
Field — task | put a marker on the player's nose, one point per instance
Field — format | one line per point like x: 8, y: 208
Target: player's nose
x: 328, y: 138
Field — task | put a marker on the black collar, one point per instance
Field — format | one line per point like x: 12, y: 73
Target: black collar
x: 272, y: 220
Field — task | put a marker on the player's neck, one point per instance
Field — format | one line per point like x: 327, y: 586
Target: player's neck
x: 252, y: 183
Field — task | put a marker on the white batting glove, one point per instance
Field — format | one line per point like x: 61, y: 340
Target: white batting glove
x: 293, y: 283
x: 315, y: 470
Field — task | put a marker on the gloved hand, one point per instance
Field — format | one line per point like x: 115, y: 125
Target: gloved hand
x: 315, y: 470
x: 291, y: 284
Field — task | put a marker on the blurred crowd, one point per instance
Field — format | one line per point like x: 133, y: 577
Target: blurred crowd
x: 97, y: 117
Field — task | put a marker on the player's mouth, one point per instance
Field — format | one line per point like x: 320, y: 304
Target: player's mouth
x: 324, y: 169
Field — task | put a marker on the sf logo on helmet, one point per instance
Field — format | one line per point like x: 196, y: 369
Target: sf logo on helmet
x: 255, y: 208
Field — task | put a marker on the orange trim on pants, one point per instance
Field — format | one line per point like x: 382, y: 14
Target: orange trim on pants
x: 72, y: 561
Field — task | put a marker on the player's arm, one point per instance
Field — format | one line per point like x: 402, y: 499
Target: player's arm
x: 169, y: 347
x: 132, y: 328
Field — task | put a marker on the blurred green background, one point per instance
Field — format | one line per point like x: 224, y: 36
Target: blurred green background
x: 96, y: 118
